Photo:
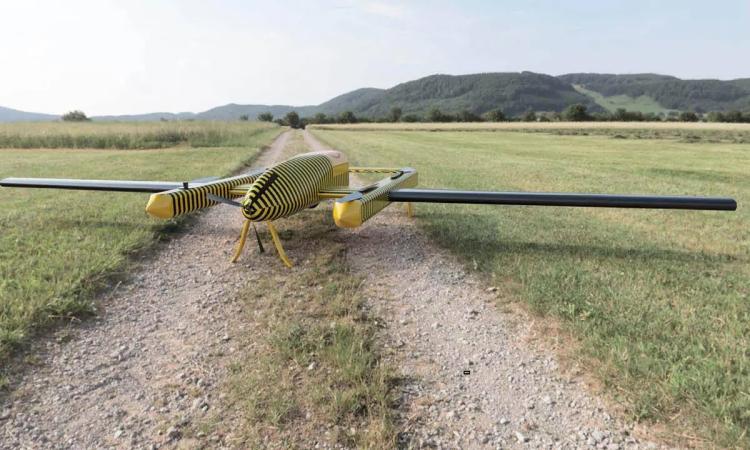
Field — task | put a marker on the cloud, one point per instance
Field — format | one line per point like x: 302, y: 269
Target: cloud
x: 390, y: 10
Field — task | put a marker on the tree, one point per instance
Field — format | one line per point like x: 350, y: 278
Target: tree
x: 265, y: 117
x: 319, y: 118
x: 688, y: 116
x: 411, y: 118
x: 292, y: 118
x: 435, y: 115
x: 529, y: 116
x: 244, y: 117
x: 468, y: 116
x: 75, y: 116
x: 347, y: 117
x: 395, y: 114
x: 576, y: 113
x: 496, y: 115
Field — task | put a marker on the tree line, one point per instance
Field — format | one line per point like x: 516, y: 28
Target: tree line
x: 573, y: 113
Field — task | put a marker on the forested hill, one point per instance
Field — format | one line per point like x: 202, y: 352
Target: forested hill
x: 669, y: 92
x: 514, y: 93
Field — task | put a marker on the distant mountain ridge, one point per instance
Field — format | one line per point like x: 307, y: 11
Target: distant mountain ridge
x: 513, y: 92
x: 14, y: 115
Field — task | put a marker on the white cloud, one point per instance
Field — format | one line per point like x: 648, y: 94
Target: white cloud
x: 390, y: 10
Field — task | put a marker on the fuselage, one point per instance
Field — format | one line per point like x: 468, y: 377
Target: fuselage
x: 294, y: 185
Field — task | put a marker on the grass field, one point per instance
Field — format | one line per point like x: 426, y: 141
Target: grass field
x: 56, y: 246
x: 659, y: 300
x: 644, y: 103
x: 125, y: 135
x: 698, y: 133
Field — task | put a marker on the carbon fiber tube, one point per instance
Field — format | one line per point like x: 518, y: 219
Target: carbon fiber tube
x: 562, y: 199
x: 91, y: 185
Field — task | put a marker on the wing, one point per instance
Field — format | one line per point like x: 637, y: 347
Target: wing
x: 111, y: 185
x: 562, y: 199
x: 91, y: 185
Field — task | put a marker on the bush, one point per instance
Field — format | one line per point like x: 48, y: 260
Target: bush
x: 75, y: 116
x: 435, y: 115
x: 265, y: 117
x: 411, y: 118
x: 347, y: 117
x: 496, y: 115
x: 395, y: 114
x: 468, y: 116
x: 529, y: 116
x: 292, y: 118
x: 688, y: 116
x: 320, y: 118
x: 576, y: 113
x: 244, y: 117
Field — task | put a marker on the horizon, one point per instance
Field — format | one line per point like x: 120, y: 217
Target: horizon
x: 171, y: 56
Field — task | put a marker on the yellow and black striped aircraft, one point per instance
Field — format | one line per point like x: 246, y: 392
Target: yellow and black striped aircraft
x: 305, y: 180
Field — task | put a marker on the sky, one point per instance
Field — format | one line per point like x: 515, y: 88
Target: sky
x: 137, y: 56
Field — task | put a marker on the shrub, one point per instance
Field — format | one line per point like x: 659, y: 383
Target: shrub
x: 411, y: 118
x: 320, y: 118
x: 529, y: 116
x: 292, y: 118
x: 496, y: 115
x: 395, y: 114
x: 75, y: 116
x: 244, y: 117
x: 688, y: 116
x: 576, y: 113
x: 435, y: 115
x: 468, y: 116
x: 347, y: 117
x: 265, y: 117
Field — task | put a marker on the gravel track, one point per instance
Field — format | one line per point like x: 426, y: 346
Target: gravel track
x: 441, y: 320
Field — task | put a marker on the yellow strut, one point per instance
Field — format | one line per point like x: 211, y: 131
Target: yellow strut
x: 409, y: 210
x: 241, y: 244
x: 277, y: 244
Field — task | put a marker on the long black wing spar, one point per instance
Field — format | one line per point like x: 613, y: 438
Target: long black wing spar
x: 91, y: 185
x: 562, y: 199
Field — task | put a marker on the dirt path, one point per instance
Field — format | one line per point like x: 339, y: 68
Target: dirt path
x: 441, y: 321
x: 151, y: 362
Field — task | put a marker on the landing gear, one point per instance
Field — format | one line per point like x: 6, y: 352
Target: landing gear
x: 274, y: 236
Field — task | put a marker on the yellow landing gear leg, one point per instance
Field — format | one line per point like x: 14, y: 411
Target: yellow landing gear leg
x: 277, y: 244
x: 241, y: 244
x: 409, y: 210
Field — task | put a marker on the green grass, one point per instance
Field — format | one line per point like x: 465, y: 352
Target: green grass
x: 643, y: 103
x: 660, y: 300
x: 57, y: 246
x: 688, y: 132
x: 313, y: 362
x: 128, y: 135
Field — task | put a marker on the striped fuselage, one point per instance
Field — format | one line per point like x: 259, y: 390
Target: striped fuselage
x: 294, y: 185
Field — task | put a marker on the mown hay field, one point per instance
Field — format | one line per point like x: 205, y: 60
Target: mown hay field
x: 659, y: 301
x: 701, y: 132
x: 129, y: 135
x: 57, y: 246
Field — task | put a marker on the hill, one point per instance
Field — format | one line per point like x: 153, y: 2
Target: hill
x: 513, y: 92
x: 669, y: 92
x: 14, y: 115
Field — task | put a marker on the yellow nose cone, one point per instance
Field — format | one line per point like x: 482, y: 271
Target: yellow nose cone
x: 160, y: 206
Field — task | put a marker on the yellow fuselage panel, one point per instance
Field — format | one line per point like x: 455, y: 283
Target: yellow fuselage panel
x: 168, y: 204
x: 354, y: 209
x: 294, y: 185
